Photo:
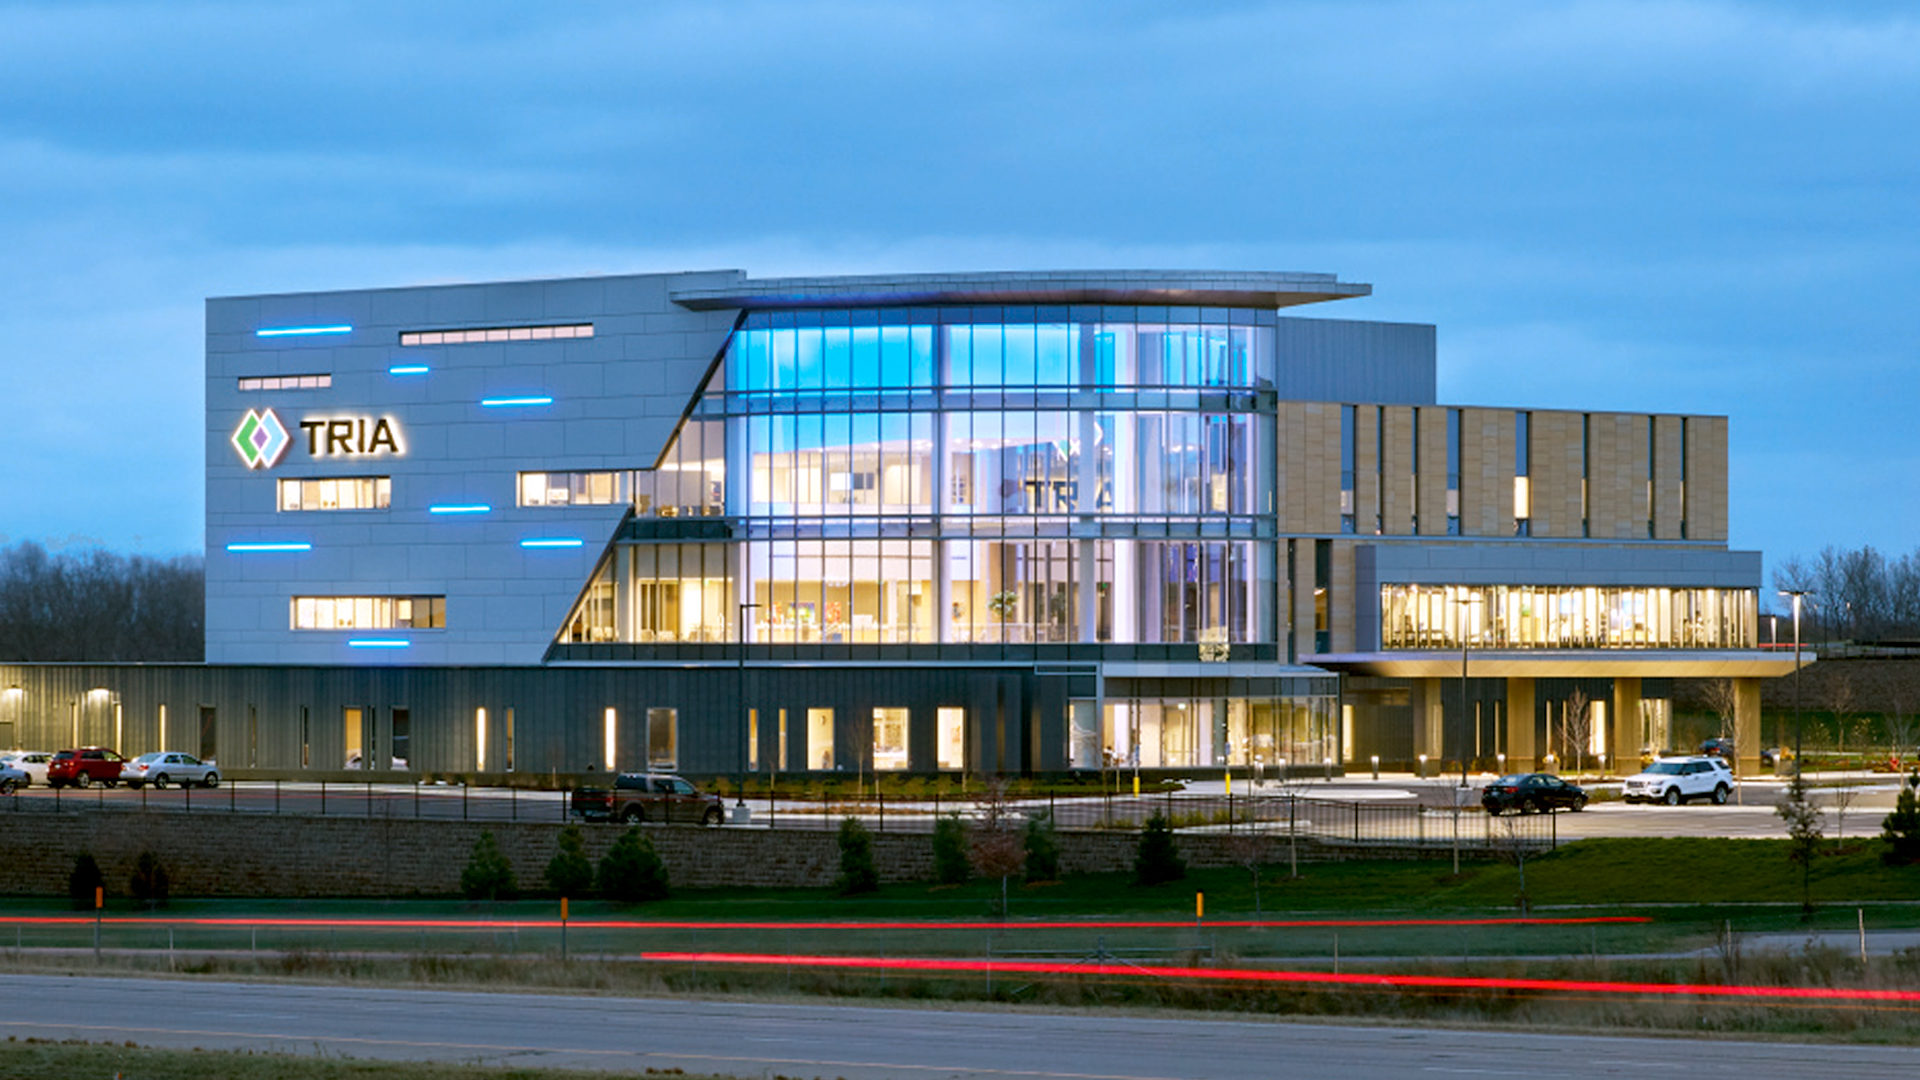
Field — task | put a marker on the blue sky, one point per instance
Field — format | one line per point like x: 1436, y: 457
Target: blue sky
x: 1703, y: 207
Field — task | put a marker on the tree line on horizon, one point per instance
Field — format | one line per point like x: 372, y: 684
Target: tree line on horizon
x: 97, y: 605
x: 1855, y: 594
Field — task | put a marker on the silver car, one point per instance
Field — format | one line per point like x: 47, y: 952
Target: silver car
x: 31, y: 762
x: 169, y: 767
x: 11, y: 779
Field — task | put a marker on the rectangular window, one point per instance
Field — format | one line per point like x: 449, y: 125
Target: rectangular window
x: 951, y: 737
x: 1683, y: 478
x: 819, y: 739
x: 472, y: 335
x: 480, y: 740
x: 889, y: 740
x: 1413, y: 472
x: 336, y: 493
x: 601, y: 488
x: 1322, y: 600
x: 1586, y: 474
x: 352, y: 737
x: 403, y: 737
x: 780, y: 759
x: 285, y: 382
x: 609, y: 725
x: 1650, y: 457
x: 209, y: 734
x: 1379, y: 470
x: 1453, y: 472
x: 753, y: 740
x: 369, y: 612
x: 1348, y: 452
x: 1522, y: 470
x: 663, y: 739
x: 1566, y: 617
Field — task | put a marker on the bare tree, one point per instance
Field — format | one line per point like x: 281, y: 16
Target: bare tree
x: 1719, y: 695
x: 1248, y: 850
x: 1841, y: 797
x: 1840, y: 701
x: 1576, y: 730
x: 96, y: 605
x: 1510, y: 845
x: 998, y: 849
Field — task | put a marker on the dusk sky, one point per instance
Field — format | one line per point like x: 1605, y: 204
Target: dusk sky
x: 1670, y: 206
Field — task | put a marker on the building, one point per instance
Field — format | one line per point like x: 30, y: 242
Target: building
x: 1001, y: 522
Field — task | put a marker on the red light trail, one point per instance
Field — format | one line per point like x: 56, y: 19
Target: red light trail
x: 713, y: 924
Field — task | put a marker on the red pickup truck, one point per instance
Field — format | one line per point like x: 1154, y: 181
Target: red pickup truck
x: 84, y: 766
x: 653, y: 797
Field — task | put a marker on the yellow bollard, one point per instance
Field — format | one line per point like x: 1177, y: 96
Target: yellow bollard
x: 1199, y: 905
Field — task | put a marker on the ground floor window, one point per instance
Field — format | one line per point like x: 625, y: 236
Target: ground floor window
x: 663, y: 738
x: 951, y: 737
x: 819, y: 739
x: 889, y: 739
x: 1163, y: 733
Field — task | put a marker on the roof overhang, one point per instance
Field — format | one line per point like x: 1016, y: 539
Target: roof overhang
x: 1591, y: 663
x: 1199, y: 288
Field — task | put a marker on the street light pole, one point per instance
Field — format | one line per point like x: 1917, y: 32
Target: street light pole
x: 1466, y: 712
x: 740, y: 691
x: 1798, y: 595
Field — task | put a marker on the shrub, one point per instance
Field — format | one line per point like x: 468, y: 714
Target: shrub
x: 857, y: 873
x: 488, y: 876
x: 950, y: 866
x: 85, y: 878
x: 1043, y: 849
x: 1158, y: 860
x: 631, y: 871
x: 570, y: 872
x: 1902, y: 827
x: 150, y: 883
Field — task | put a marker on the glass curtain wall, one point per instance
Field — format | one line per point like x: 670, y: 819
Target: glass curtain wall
x: 1021, y: 476
x: 1177, y: 733
x: 1566, y: 617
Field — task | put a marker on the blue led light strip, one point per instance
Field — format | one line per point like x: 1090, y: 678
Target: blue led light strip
x: 552, y: 542
x: 377, y: 643
x: 409, y: 369
x: 462, y: 508
x: 301, y: 331
x: 277, y: 546
x: 509, y: 402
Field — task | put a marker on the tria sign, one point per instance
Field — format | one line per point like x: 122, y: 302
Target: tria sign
x: 262, y: 440
x: 353, y: 436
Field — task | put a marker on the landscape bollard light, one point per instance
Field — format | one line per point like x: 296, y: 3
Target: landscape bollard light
x: 1327, y: 764
x: 1376, y: 766
x: 1502, y: 759
x: 1423, y: 766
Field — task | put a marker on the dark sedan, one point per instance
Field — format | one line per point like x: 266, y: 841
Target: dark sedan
x: 1526, y: 792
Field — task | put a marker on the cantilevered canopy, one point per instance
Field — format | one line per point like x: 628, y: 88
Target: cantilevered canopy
x: 1210, y: 288
x: 1590, y: 663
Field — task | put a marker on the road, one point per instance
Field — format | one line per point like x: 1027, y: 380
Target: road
x: 858, y: 1043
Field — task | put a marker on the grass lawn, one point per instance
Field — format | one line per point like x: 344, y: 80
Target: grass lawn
x: 35, y: 1059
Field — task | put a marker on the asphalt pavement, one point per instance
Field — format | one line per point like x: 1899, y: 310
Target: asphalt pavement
x: 752, y: 1039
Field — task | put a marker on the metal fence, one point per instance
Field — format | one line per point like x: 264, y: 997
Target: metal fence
x: 1396, y: 823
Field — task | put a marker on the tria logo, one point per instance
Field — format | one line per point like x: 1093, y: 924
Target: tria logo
x: 261, y: 438
x: 354, y: 436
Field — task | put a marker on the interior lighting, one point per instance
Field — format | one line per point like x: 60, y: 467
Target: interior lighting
x: 377, y: 643
x: 552, y: 542
x: 301, y: 331
x: 408, y: 369
x: 514, y: 402
x: 461, y: 508
x: 291, y: 545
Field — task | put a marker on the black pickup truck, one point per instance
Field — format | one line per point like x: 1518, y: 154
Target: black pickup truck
x: 652, y: 797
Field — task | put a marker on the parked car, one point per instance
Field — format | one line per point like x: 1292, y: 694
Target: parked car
x: 11, y: 778
x: 1677, y: 780
x: 1720, y: 748
x: 169, y: 767
x: 656, y: 797
x: 84, y: 766
x: 31, y: 762
x: 1532, y: 792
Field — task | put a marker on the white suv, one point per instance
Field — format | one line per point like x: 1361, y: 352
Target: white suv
x: 1675, y: 780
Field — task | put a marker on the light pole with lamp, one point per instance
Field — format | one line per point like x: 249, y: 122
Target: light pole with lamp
x: 740, y: 696
x: 1798, y: 595
x: 1466, y: 714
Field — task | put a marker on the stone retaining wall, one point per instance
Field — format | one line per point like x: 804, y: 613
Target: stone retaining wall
x: 289, y: 856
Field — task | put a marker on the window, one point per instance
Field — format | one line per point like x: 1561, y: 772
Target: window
x: 1453, y: 472
x: 369, y: 612
x: 1348, y: 451
x: 753, y: 740
x: 336, y: 493
x: 609, y: 725
x: 352, y: 737
x: 285, y: 382
x: 819, y: 739
x: 1566, y: 617
x: 403, y: 737
x: 889, y: 739
x: 603, y: 488
x: 1522, y: 474
x: 470, y: 336
x: 951, y: 737
x: 663, y: 744
x: 480, y: 740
